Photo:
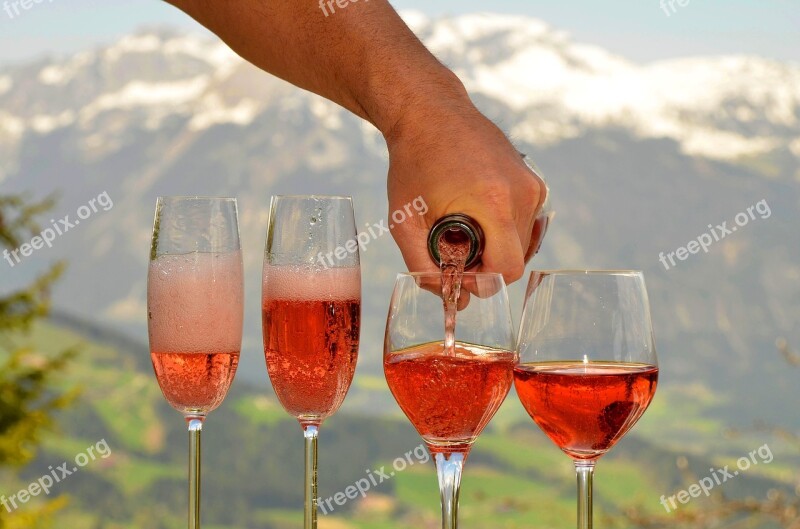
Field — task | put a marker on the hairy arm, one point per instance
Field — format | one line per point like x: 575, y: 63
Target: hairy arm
x: 362, y: 57
x: 441, y: 148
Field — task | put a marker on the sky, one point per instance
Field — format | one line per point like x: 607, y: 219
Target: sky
x: 640, y: 30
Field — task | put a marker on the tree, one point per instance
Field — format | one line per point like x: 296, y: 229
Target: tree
x: 28, y: 400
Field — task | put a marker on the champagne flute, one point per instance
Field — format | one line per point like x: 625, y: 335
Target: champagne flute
x: 311, y: 314
x: 449, y: 393
x: 587, y: 364
x: 195, y: 304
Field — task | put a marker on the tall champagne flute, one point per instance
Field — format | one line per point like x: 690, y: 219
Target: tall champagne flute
x: 195, y: 304
x: 449, y: 393
x: 311, y: 314
x: 587, y: 364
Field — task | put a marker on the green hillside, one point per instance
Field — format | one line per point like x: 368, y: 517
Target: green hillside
x: 253, y: 458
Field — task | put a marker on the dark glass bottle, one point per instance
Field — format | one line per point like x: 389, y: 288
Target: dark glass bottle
x: 457, y: 228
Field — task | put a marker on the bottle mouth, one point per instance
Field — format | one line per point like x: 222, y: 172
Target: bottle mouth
x: 457, y: 229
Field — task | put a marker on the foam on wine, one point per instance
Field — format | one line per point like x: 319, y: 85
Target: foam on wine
x: 195, y: 313
x: 301, y: 283
x: 311, y: 325
x: 195, y: 303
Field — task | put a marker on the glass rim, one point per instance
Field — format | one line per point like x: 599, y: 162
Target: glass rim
x: 324, y: 197
x: 589, y: 272
x: 195, y: 197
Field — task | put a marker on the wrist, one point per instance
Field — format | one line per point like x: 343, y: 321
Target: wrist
x: 421, y: 104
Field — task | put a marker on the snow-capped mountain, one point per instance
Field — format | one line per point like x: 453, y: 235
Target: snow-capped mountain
x: 724, y: 108
x: 717, y: 107
x: 640, y: 158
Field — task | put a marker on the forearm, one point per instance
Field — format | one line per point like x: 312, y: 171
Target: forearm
x: 363, y: 57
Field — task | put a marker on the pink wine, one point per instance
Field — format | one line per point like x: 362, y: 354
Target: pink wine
x: 195, y: 311
x: 311, y: 334
x: 585, y: 408
x: 449, y: 398
x: 453, y: 252
x: 195, y: 383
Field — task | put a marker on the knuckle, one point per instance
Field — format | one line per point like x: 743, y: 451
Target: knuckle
x: 497, y: 194
x: 531, y: 190
x: 514, y: 270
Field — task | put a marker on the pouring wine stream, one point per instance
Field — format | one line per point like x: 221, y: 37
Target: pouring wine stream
x: 454, y: 247
x: 455, y: 243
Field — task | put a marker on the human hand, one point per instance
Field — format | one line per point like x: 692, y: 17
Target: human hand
x: 458, y: 161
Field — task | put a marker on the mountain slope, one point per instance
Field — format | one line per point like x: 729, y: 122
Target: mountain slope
x: 162, y: 113
x: 252, y: 464
x: 716, y: 107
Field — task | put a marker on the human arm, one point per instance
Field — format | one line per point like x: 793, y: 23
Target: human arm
x: 441, y: 147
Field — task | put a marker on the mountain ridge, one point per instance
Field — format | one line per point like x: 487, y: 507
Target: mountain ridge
x: 162, y: 113
x: 570, y: 87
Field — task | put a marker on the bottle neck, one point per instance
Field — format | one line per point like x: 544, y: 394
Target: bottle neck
x: 456, y: 231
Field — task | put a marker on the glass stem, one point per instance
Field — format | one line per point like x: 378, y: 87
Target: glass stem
x: 311, y: 433
x: 585, y: 471
x: 449, y: 468
x: 195, y: 427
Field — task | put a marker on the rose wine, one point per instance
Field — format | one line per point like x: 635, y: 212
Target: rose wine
x: 195, y: 383
x: 449, y: 398
x: 585, y: 408
x: 195, y: 311
x: 311, y: 324
x: 453, y: 252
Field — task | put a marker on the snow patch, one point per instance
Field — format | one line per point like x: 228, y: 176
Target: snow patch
x: 140, y: 94
x: 133, y: 44
x: 5, y: 84
x: 215, y: 112
x: 11, y: 125
x: 795, y: 147
x: 61, y: 74
x: 416, y: 20
x: 328, y: 113
x: 44, y: 124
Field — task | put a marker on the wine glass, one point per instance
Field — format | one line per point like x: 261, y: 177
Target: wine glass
x: 449, y: 394
x: 311, y: 314
x: 587, y: 363
x: 195, y: 305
